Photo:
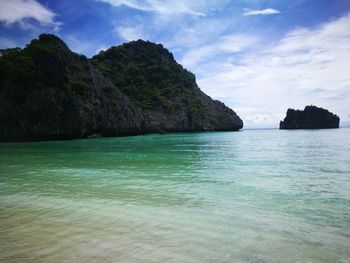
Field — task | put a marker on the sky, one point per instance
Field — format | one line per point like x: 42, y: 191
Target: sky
x: 260, y: 57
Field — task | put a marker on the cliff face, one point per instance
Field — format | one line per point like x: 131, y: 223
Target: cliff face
x: 311, y: 117
x: 49, y: 92
x: 148, y: 74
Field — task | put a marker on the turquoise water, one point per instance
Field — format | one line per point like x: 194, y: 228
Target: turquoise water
x: 252, y: 196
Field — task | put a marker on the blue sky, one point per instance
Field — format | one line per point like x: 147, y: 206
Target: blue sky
x: 258, y: 56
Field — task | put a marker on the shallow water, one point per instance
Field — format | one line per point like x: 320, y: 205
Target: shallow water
x: 251, y: 196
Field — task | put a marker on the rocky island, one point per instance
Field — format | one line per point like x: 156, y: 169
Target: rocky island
x: 48, y: 92
x: 311, y: 117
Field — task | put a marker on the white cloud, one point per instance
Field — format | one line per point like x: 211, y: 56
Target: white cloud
x: 199, y: 33
x: 226, y: 44
x: 268, y: 11
x: 18, y: 11
x: 307, y: 66
x: 169, y: 7
x: 131, y: 33
x: 88, y: 48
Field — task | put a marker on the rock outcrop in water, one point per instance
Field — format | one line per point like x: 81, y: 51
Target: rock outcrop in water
x: 49, y: 92
x: 311, y: 117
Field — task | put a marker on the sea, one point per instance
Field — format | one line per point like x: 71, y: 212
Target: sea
x: 256, y: 196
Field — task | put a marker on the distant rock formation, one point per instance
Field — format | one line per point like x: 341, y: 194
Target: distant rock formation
x: 48, y: 92
x: 311, y: 117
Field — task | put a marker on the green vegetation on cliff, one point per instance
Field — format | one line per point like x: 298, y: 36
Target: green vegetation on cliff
x: 50, y: 92
x: 147, y: 73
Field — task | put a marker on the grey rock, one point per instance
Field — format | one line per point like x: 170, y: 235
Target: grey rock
x: 311, y: 117
x: 49, y: 92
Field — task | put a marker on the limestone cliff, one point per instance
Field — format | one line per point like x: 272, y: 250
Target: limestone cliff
x: 49, y: 92
x: 311, y: 117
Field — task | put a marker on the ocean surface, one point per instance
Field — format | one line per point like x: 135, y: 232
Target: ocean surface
x: 254, y: 196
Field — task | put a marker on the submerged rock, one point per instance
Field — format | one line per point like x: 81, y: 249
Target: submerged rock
x: 311, y: 117
x: 49, y: 92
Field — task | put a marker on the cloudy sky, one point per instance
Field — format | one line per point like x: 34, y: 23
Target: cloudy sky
x: 260, y: 57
